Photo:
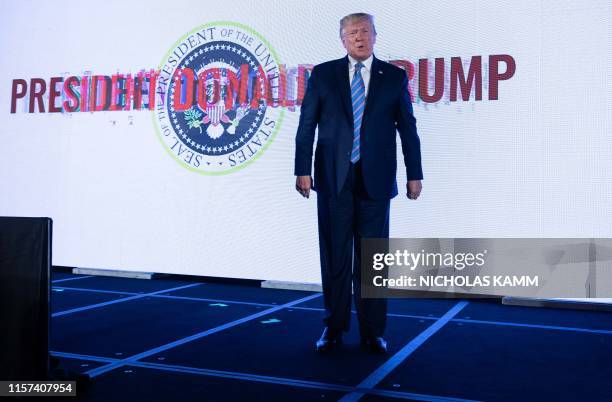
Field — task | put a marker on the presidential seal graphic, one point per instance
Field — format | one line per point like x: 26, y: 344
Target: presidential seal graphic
x: 216, y: 98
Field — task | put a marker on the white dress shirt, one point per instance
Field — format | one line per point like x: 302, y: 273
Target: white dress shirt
x: 365, y: 71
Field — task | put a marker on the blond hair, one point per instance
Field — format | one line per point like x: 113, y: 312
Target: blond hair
x: 354, y: 18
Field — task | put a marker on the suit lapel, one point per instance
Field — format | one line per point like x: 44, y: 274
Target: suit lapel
x: 342, y: 72
x: 376, y: 77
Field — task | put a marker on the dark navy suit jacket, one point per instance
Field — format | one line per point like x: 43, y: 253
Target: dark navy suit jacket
x: 388, y: 110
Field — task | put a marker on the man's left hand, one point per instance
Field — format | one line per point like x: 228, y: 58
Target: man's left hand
x: 413, y: 189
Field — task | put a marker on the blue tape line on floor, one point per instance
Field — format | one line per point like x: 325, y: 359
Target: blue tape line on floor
x: 71, y: 279
x: 110, y: 292
x: 122, y: 300
x: 377, y: 375
x: 262, y: 378
x: 419, y: 317
x: 104, y: 369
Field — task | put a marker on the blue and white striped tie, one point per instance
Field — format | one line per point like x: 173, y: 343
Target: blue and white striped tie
x: 358, y: 98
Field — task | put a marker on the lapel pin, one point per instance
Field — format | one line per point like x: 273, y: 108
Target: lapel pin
x: 380, y: 72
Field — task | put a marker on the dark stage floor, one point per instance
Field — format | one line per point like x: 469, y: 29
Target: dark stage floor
x: 170, y: 340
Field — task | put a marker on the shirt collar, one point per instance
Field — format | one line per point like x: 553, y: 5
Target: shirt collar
x: 367, y: 63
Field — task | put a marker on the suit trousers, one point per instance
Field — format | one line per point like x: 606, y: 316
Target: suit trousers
x: 343, y: 221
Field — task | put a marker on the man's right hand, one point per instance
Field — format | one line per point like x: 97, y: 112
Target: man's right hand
x: 303, y: 184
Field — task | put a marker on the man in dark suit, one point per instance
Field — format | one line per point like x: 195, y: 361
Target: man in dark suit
x: 358, y: 103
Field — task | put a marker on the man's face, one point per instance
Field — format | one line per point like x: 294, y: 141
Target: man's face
x: 358, y: 39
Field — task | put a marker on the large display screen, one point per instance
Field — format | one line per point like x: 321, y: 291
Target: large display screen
x: 159, y: 136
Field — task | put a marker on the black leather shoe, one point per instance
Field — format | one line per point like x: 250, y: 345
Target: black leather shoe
x: 329, y: 340
x: 374, y: 344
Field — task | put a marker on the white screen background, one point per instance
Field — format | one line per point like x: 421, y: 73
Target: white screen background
x: 535, y: 163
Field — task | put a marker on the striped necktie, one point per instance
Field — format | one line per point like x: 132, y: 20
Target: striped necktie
x: 358, y: 98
